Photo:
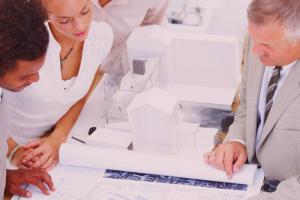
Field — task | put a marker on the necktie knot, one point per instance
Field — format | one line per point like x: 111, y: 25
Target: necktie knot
x: 278, y: 67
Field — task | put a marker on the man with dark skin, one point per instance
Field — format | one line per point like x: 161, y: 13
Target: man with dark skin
x: 23, y: 45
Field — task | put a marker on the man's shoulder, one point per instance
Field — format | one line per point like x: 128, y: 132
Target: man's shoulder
x: 249, y: 46
x: 5, y: 125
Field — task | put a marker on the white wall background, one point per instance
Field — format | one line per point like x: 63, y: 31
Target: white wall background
x: 229, y: 20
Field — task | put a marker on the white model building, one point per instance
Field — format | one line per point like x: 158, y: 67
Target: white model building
x: 154, y: 122
x: 192, y: 67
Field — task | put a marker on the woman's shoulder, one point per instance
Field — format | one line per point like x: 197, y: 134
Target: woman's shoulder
x: 100, y: 32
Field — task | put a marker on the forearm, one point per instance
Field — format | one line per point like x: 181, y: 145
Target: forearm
x: 238, y: 129
x: 11, y: 145
x: 65, y: 124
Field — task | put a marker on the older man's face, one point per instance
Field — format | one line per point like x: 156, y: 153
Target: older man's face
x: 272, y: 47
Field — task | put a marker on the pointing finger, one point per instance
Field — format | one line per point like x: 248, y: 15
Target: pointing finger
x: 228, y: 160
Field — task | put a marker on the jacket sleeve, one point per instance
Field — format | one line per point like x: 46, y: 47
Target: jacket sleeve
x: 156, y: 15
x: 287, y: 189
x: 238, y: 129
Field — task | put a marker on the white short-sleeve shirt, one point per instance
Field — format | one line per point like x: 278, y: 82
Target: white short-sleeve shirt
x: 37, y: 108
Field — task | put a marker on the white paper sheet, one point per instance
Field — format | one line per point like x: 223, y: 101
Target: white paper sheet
x: 142, y: 162
x: 78, y: 183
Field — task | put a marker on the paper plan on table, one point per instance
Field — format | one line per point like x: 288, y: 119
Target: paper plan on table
x: 79, y: 183
x: 122, y: 175
x: 151, y: 163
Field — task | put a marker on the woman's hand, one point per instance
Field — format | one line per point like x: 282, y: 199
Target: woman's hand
x: 20, y: 154
x: 49, y: 149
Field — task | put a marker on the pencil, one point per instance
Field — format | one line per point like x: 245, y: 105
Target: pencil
x: 78, y: 140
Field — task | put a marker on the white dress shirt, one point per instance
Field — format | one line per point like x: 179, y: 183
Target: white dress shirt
x: 125, y: 15
x: 263, y: 95
x: 38, y: 108
x: 5, y: 130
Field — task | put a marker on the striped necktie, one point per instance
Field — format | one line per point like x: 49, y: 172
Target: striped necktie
x: 271, y: 90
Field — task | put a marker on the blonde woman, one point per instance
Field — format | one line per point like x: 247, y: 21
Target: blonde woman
x: 76, y: 49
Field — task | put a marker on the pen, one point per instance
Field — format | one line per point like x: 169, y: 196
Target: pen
x: 78, y: 140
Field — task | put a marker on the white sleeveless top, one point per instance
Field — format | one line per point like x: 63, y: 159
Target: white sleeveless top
x: 37, y: 108
x: 67, y: 84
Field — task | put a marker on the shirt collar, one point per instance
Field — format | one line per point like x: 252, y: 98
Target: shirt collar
x: 288, y: 67
x: 52, y: 40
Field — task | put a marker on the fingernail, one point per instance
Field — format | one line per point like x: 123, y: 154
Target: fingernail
x: 24, y: 161
x: 28, y: 194
x: 30, y: 168
x: 228, y: 177
x: 236, y: 170
x: 48, y: 193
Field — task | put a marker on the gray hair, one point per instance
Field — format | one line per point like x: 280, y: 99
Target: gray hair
x: 286, y: 13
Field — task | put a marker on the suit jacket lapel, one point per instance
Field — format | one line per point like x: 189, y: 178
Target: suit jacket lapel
x: 253, y: 91
x: 288, y: 92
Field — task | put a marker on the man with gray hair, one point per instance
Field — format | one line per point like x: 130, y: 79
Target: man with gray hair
x: 266, y: 129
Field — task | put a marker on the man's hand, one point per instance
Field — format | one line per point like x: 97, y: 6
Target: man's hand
x: 15, y: 178
x: 225, y: 155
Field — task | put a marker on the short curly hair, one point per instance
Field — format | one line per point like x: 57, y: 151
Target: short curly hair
x: 23, y: 34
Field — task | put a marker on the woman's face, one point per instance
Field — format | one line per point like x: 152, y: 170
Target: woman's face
x: 71, y: 18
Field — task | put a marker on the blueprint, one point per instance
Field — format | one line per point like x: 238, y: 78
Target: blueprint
x: 80, y: 183
x: 84, y: 189
x: 80, y: 175
x: 116, y: 174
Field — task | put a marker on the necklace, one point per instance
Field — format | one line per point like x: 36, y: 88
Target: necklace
x: 62, y: 61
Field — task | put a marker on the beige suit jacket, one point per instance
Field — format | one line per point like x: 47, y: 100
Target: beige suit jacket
x: 279, y: 148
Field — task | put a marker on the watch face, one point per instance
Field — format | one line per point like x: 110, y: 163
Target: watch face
x: 270, y: 186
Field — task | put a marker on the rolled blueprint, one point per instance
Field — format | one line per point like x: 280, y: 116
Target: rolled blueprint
x: 141, y: 162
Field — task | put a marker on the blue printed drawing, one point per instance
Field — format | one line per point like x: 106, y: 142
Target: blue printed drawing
x: 115, y: 174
